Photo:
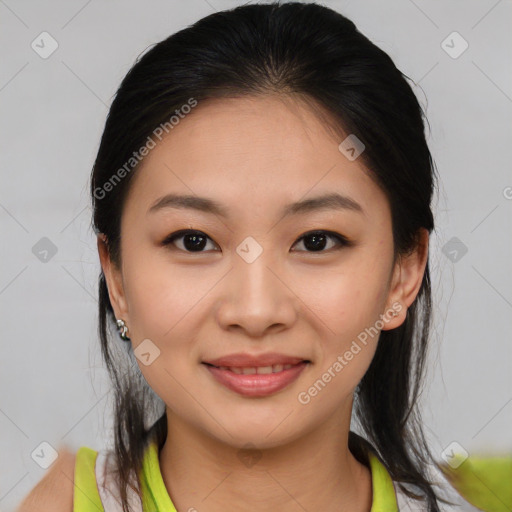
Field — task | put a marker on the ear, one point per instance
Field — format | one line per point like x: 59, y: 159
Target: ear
x: 114, y: 280
x: 406, y: 281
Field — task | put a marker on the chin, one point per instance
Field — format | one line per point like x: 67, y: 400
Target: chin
x: 244, y: 434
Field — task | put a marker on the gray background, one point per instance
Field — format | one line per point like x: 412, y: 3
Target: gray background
x: 53, y: 385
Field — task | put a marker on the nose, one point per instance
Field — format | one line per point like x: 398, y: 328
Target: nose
x: 257, y: 299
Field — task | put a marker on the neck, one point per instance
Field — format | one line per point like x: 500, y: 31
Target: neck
x: 315, y: 472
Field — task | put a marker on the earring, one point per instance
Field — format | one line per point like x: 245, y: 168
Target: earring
x: 123, y: 330
x: 395, y: 313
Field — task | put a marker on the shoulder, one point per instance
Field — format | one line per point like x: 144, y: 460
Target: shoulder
x: 54, y: 492
x: 443, y: 489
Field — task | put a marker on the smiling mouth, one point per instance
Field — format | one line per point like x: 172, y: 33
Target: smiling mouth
x: 257, y: 370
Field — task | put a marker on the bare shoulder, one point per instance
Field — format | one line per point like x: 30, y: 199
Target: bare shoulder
x: 54, y: 492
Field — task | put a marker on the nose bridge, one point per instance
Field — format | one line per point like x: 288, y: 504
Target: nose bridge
x: 251, y: 266
x: 257, y: 298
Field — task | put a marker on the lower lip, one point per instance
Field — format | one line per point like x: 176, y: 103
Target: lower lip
x: 256, y: 384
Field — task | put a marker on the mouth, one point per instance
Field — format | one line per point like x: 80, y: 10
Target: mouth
x: 257, y: 370
x: 257, y: 381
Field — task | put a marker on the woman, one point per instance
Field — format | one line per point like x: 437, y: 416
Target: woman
x: 261, y: 198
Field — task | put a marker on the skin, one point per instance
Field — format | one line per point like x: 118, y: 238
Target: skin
x: 255, y: 155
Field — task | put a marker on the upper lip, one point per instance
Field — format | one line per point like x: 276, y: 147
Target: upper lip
x: 248, y: 360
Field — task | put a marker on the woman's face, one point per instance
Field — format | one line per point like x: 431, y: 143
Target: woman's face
x: 250, y: 282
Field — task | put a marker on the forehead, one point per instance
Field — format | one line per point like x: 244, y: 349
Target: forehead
x: 251, y: 151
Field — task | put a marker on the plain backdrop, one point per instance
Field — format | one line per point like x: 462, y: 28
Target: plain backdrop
x: 53, y: 385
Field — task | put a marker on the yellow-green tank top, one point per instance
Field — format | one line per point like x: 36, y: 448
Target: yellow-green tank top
x: 156, y: 498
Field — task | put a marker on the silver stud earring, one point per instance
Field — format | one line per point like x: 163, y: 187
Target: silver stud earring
x: 123, y: 330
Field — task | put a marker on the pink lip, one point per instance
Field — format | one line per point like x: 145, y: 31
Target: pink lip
x: 256, y: 385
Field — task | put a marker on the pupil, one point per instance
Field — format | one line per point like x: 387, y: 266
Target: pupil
x: 316, y: 238
x: 196, y: 241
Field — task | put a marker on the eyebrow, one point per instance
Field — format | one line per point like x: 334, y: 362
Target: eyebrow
x: 332, y: 201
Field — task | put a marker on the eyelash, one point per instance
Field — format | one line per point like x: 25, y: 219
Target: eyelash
x: 341, y: 240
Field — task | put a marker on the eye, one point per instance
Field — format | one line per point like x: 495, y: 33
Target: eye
x: 193, y: 241
x: 316, y: 240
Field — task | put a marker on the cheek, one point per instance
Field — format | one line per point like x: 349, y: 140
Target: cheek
x: 347, y: 299
x: 160, y: 295
x: 161, y: 300
x: 345, y: 302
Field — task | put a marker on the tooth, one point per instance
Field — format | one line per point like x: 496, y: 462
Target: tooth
x: 256, y: 370
x: 264, y: 369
